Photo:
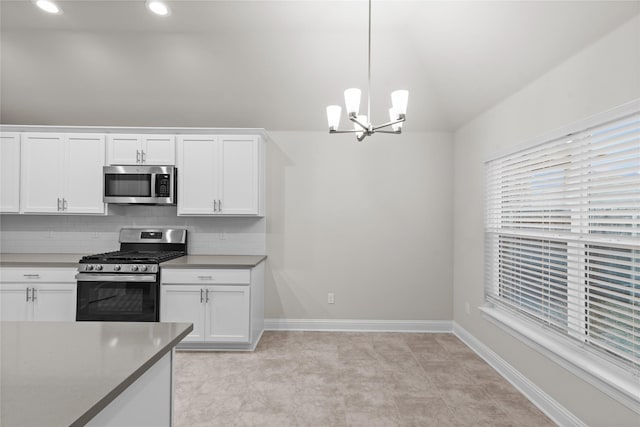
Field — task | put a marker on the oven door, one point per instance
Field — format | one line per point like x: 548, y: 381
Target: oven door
x: 118, y: 297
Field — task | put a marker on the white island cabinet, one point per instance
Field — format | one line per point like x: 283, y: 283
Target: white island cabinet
x: 220, y: 175
x: 44, y: 294
x: 225, y: 305
x: 62, y: 173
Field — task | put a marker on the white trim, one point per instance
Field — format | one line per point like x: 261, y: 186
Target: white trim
x: 358, y: 325
x: 619, y: 384
x: 630, y: 107
x: 554, y: 410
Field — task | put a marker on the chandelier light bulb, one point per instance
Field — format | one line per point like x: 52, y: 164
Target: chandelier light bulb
x: 393, y: 116
x: 158, y: 7
x: 359, y: 131
x: 352, y: 101
x: 333, y: 116
x: 49, y: 6
x: 399, y: 100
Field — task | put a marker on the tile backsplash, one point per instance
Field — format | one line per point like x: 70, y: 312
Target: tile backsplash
x: 92, y: 234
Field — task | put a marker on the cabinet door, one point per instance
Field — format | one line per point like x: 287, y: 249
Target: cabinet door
x: 198, y: 172
x: 124, y: 149
x: 9, y: 172
x: 13, y: 302
x: 84, y: 159
x: 184, y: 303
x: 41, y: 171
x: 55, y: 302
x: 158, y: 150
x: 239, y: 181
x: 227, y: 314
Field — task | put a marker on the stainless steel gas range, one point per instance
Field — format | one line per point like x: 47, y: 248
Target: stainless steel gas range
x: 124, y: 285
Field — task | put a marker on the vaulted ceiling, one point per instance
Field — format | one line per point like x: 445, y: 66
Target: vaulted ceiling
x: 278, y: 64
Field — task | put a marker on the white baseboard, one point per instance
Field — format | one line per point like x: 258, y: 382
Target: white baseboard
x: 347, y: 325
x: 558, y: 413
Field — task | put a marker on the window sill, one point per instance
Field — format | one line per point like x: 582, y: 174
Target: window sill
x: 618, y: 383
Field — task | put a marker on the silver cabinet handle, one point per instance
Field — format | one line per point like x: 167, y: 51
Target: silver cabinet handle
x: 137, y: 156
x: 143, y: 156
x: 201, y: 299
x: 64, y: 204
x: 33, y: 294
x: 205, y: 277
x: 207, y: 296
x: 28, y: 294
x: 31, y: 276
x: 58, y: 204
x: 215, y: 208
x: 219, y: 205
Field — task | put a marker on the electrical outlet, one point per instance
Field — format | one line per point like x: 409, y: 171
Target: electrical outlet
x: 330, y: 298
x: 467, y: 307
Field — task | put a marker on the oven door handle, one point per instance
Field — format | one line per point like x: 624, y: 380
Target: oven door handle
x: 86, y: 277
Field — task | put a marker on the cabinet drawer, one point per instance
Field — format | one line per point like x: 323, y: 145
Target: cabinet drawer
x: 38, y: 275
x: 206, y: 276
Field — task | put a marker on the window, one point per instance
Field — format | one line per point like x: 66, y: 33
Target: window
x: 562, y: 236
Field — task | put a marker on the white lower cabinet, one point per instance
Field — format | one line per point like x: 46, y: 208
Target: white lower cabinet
x: 220, y: 314
x: 226, y: 306
x: 38, y: 294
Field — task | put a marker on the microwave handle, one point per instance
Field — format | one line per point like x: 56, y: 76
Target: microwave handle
x: 154, y: 188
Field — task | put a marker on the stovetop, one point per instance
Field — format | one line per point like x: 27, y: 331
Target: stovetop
x: 141, y: 251
x: 132, y: 257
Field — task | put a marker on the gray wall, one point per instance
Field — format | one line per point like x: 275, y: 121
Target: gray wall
x: 602, y: 76
x: 370, y: 222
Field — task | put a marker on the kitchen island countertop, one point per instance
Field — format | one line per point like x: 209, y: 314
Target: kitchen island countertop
x: 65, y: 373
x: 214, y: 261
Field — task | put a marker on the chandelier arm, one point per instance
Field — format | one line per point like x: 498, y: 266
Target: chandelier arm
x: 384, y: 125
x: 356, y: 121
x: 396, y: 132
x: 343, y: 131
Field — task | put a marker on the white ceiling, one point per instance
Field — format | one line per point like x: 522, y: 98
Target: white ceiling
x: 278, y: 64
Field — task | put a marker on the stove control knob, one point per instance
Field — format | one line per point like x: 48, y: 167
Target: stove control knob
x: 89, y: 267
x: 117, y: 267
x: 98, y: 267
x: 143, y: 268
x: 134, y: 268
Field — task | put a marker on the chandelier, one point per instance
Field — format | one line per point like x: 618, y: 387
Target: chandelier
x: 362, y: 126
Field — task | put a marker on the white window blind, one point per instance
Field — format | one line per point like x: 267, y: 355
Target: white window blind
x: 562, y: 237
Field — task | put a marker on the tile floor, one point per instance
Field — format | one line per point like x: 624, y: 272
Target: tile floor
x: 347, y: 379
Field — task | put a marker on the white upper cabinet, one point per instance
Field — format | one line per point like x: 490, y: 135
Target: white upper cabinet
x: 239, y: 175
x: 42, y: 158
x: 62, y: 173
x: 133, y: 149
x: 9, y: 172
x: 83, y: 186
x: 198, y: 166
x: 218, y: 175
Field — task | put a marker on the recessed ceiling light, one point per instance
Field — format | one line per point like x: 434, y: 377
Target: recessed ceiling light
x: 158, y: 7
x: 49, y: 6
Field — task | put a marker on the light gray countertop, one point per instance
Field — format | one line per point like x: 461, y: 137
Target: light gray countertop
x: 189, y: 261
x: 64, y: 373
x: 214, y: 261
x: 40, y: 260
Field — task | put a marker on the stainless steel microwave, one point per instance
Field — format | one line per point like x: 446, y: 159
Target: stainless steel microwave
x: 150, y: 185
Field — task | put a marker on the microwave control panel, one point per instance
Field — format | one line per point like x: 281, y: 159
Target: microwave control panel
x: 163, y: 185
